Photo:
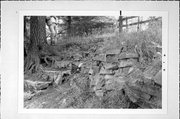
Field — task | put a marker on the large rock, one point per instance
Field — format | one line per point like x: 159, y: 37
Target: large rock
x: 59, y: 79
x: 118, y: 72
x: 99, y: 82
x: 114, y: 84
x: 157, y: 56
x: 29, y: 86
x: 42, y: 85
x: 131, y: 70
x: 153, y: 69
x: 95, y: 80
x: 100, y: 57
x: 110, y: 66
x: 108, y: 77
x: 111, y: 58
x: 82, y: 82
x: 62, y: 64
x: 28, y: 95
x: 112, y: 55
x: 110, y: 84
x: 145, y: 85
x: 158, y: 78
x: 94, y: 70
x: 143, y: 92
x: 132, y: 96
x: 113, y: 51
x: 126, y: 55
x: 104, y: 71
x: 126, y: 63
x: 125, y: 70
x: 35, y: 85
x: 135, y: 74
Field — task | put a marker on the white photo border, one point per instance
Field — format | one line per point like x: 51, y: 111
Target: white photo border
x: 11, y: 86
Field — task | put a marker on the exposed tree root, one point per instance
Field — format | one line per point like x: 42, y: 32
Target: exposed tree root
x: 32, y: 63
x: 49, y: 61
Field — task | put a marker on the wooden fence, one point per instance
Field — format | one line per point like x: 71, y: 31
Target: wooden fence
x: 137, y: 22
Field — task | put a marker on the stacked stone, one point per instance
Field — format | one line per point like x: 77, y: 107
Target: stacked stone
x: 117, y: 70
x: 144, y: 88
x: 108, y: 71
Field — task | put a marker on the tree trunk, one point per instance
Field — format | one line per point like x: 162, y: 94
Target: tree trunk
x: 69, y: 26
x: 25, y: 29
x: 37, y: 37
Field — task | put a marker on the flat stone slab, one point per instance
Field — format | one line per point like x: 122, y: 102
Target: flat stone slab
x: 111, y: 58
x: 108, y: 77
x: 110, y: 66
x: 104, y: 71
x: 115, y: 84
x: 128, y: 55
x: 62, y: 64
x: 113, y: 51
x: 158, y: 78
x: 100, y: 57
x: 152, y: 70
x: 125, y: 63
x: 35, y: 85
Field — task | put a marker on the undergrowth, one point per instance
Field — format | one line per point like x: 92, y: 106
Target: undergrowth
x: 153, y: 34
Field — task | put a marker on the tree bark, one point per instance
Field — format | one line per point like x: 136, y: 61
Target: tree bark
x: 69, y: 26
x: 25, y: 30
x: 37, y: 38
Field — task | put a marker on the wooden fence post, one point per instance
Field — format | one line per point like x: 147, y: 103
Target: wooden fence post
x: 120, y: 22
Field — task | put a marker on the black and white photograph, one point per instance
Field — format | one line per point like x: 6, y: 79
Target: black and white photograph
x: 92, y: 62
x: 89, y: 60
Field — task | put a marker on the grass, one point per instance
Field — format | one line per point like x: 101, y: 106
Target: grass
x: 114, y: 39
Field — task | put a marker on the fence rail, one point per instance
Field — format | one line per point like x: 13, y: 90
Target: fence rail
x: 138, y: 22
